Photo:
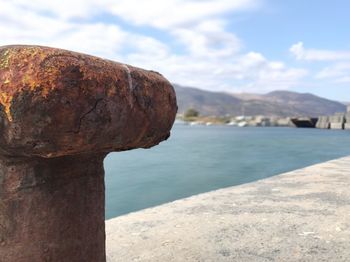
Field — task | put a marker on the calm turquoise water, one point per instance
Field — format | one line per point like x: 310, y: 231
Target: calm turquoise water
x: 197, y: 159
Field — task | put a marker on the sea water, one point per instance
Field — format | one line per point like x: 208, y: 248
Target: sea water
x: 197, y: 159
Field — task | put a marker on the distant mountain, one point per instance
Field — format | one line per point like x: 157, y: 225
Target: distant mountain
x: 207, y: 103
x: 305, y: 103
x: 277, y: 103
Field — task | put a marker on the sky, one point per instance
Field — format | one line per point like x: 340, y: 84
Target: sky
x: 219, y: 45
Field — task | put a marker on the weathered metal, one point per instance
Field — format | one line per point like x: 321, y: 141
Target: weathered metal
x: 57, y: 102
x: 52, y: 209
x: 61, y: 113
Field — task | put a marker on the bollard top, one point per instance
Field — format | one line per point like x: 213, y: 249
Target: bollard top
x: 55, y: 102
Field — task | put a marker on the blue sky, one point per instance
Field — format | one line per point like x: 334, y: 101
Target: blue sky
x: 219, y: 45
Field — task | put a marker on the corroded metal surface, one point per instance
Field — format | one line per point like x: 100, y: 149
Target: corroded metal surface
x: 56, y: 102
x: 52, y: 209
x: 61, y: 112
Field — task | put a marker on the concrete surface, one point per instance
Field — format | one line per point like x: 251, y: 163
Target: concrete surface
x: 302, y: 215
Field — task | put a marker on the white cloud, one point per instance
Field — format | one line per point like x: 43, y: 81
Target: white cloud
x: 265, y: 75
x: 245, y: 72
x: 336, y: 70
x: 157, y: 13
x: 176, y: 13
x: 338, y: 73
x: 208, y: 39
x: 301, y: 53
x: 62, y: 9
x: 207, y: 55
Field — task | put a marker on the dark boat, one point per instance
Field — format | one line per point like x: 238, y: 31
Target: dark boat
x: 305, y: 122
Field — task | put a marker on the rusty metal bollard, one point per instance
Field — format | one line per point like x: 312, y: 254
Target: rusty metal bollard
x: 61, y: 113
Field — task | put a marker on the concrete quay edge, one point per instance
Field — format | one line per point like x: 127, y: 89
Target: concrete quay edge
x: 302, y: 215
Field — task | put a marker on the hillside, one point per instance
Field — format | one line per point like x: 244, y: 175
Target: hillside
x: 277, y: 103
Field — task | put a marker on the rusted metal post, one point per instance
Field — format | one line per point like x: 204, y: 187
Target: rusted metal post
x: 61, y: 113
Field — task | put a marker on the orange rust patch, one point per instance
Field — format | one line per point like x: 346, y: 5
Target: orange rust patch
x: 20, y: 64
x: 6, y: 102
x: 39, y: 70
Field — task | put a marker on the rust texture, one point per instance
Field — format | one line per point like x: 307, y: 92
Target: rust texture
x: 52, y: 209
x: 61, y: 112
x: 56, y: 102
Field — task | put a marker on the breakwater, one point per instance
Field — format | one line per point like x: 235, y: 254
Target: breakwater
x: 336, y: 121
x: 301, y: 215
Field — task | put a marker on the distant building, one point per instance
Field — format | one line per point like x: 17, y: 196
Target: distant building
x: 348, y: 110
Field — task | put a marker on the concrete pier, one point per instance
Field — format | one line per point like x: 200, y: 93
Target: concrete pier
x: 303, y: 215
x: 337, y: 121
x: 347, y: 121
x: 323, y: 122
